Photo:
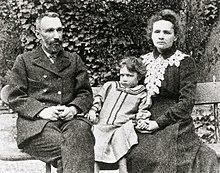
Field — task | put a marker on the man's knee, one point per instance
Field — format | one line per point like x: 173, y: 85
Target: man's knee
x: 78, y: 130
x: 48, y: 142
x: 47, y: 149
x: 78, y: 125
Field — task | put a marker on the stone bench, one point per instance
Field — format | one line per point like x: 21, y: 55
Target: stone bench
x: 8, y: 149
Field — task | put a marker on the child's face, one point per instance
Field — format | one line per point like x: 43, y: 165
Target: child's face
x: 127, y: 78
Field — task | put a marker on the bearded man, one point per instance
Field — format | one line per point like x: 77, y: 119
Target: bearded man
x: 49, y: 88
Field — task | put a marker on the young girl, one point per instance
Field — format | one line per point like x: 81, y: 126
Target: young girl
x: 118, y: 107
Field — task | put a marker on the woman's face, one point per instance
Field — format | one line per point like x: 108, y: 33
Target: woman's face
x: 163, y: 35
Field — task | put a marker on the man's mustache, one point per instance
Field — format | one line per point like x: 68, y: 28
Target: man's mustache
x: 56, y: 42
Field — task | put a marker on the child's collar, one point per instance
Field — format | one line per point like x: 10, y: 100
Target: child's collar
x: 135, y: 90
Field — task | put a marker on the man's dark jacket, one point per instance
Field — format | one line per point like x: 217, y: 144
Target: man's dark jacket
x: 37, y: 83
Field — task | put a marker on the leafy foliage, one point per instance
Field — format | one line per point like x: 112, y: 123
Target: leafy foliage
x: 9, y: 46
x: 205, y: 122
x: 101, y: 32
x: 202, y: 16
x: 104, y: 31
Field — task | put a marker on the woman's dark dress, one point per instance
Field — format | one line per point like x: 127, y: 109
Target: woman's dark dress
x: 174, y: 147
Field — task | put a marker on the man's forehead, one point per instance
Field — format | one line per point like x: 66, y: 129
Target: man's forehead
x: 50, y: 22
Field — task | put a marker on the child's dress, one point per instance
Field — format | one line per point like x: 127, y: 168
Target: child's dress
x: 118, y: 106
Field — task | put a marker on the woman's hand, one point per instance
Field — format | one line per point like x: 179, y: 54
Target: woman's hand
x: 152, y: 125
x: 146, y: 126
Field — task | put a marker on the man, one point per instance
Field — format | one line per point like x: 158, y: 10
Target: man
x: 49, y: 89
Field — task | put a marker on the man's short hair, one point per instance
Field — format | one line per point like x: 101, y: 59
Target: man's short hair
x: 41, y: 16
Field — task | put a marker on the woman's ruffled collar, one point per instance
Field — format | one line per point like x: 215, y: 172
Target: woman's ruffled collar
x: 134, y: 91
x: 156, y: 67
x: 165, y: 53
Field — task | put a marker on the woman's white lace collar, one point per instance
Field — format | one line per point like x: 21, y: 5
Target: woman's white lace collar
x: 156, y: 69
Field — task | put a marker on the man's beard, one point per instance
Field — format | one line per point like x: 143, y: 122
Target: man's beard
x: 54, y: 47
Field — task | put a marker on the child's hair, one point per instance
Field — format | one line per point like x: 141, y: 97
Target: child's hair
x: 134, y: 64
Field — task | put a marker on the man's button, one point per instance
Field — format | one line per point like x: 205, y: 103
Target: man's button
x: 44, y: 76
x: 59, y: 92
x: 45, y: 90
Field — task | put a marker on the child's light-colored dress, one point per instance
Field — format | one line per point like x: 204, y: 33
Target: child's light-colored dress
x: 118, y: 106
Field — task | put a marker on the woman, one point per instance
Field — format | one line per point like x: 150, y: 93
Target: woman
x: 172, y: 144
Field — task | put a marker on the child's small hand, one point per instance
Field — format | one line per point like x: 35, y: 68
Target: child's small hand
x: 92, y: 116
x: 142, y: 124
x: 143, y: 115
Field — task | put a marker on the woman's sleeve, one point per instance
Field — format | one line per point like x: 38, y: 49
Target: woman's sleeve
x: 182, y: 109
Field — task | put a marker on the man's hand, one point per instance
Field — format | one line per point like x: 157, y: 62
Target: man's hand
x: 58, y: 112
x: 50, y: 113
x: 67, y: 113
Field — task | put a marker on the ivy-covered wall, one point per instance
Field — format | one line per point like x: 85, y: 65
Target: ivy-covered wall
x: 102, y: 31
x: 202, y: 16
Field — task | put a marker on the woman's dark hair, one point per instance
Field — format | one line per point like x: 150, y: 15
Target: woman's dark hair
x: 134, y: 64
x: 168, y: 15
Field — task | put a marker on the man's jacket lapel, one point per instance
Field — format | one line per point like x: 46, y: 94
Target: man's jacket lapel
x: 41, y: 60
x: 62, y: 61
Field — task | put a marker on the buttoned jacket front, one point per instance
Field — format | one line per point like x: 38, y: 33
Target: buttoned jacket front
x: 36, y: 83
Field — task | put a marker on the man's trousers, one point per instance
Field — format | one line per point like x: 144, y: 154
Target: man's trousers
x: 67, y: 145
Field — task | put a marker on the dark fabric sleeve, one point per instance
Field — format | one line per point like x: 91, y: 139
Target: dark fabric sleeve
x: 84, y: 98
x: 18, y: 98
x: 182, y: 109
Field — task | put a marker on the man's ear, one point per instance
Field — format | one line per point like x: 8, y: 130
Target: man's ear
x: 175, y: 38
x: 37, y: 33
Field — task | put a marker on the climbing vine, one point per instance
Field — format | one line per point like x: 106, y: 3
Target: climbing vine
x: 104, y: 31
